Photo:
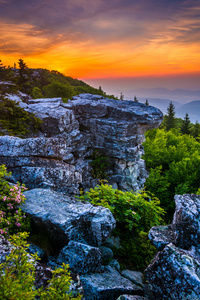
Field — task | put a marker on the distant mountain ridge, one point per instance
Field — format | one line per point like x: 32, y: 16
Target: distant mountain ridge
x: 192, y: 107
x: 180, y: 95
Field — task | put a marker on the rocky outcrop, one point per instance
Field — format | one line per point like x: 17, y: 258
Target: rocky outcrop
x: 58, y: 156
x: 175, y: 271
x: 57, y: 159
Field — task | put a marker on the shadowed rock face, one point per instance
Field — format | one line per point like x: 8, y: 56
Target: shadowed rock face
x: 58, y: 156
x: 175, y: 271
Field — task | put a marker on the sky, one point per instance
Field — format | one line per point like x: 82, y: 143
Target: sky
x: 143, y: 42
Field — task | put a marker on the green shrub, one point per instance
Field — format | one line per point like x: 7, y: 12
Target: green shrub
x: 17, y: 276
x: 15, y: 120
x: 135, y: 214
x: 36, y: 93
x: 173, y: 161
x: 58, y: 89
x: 12, y: 219
x: 99, y: 165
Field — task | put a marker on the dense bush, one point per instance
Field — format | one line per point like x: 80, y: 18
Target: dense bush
x: 15, y: 120
x: 135, y: 214
x: 58, y: 89
x: 17, y: 276
x: 12, y: 219
x: 173, y: 160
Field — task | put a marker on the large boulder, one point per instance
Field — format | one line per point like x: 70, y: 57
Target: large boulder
x: 67, y: 219
x: 174, y: 274
x: 175, y: 271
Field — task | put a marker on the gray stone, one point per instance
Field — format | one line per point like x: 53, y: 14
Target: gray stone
x: 107, y: 285
x: 81, y: 258
x: 134, y: 276
x: 106, y: 254
x: 160, y: 236
x: 67, y: 219
x: 186, y: 219
x: 130, y: 297
x: 174, y: 275
x: 114, y: 264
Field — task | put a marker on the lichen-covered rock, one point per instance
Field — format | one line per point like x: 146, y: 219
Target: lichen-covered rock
x: 184, y: 232
x: 59, y: 155
x: 174, y: 275
x: 67, y: 219
x: 81, y: 258
x: 175, y: 271
x: 187, y: 220
x: 107, y: 285
x: 160, y: 236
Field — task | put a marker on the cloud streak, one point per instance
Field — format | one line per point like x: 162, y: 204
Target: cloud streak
x: 97, y: 35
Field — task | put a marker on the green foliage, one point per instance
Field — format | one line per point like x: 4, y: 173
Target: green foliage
x: 36, y: 93
x: 58, y: 89
x: 135, y: 214
x: 12, y: 219
x: 17, y: 276
x: 58, y: 286
x: 15, y: 120
x: 173, y: 160
x: 99, y: 165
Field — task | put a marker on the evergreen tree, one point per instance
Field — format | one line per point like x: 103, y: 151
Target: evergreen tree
x: 2, y: 70
x: 170, y: 117
x: 22, y: 72
x: 185, y: 127
x: 195, y: 130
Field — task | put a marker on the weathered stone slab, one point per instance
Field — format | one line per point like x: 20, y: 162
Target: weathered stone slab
x: 67, y: 219
x: 108, y: 285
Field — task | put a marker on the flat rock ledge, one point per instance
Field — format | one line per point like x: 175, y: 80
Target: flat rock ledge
x: 174, y: 274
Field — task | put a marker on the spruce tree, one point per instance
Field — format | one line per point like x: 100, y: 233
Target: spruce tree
x: 22, y: 78
x: 185, y: 127
x: 170, y: 117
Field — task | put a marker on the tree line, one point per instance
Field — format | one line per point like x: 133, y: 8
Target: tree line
x: 172, y: 156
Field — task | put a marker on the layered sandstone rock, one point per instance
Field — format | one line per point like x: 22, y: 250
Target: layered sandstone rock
x: 59, y: 155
